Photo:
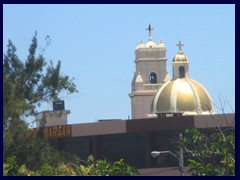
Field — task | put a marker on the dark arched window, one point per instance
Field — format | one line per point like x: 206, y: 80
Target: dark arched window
x: 181, y: 72
x: 153, y: 78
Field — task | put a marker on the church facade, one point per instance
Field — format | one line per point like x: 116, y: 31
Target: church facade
x: 155, y: 93
x: 150, y: 75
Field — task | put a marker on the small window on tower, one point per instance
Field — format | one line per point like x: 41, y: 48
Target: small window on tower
x: 153, y: 78
x: 181, y: 72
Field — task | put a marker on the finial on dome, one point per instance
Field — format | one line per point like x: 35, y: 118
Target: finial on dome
x: 180, y: 46
x: 160, y: 42
x: 149, y: 29
x: 140, y: 42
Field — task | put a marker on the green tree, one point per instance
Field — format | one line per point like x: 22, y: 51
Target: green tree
x: 31, y: 82
x: 25, y: 86
x: 25, y: 152
x: 211, y: 153
x: 102, y: 167
x: 90, y: 168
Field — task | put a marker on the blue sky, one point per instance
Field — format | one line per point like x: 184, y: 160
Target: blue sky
x: 96, y: 45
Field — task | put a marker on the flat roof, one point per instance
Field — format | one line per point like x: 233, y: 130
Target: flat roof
x: 153, y: 124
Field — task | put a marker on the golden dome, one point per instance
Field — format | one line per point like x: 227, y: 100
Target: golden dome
x: 183, y: 95
x: 180, y: 57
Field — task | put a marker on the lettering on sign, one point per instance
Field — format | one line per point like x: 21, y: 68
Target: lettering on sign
x: 58, y: 131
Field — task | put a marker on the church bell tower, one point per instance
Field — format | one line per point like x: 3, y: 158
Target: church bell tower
x: 180, y: 64
x: 150, y: 74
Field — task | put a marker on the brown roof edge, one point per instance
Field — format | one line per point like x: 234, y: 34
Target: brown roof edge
x: 213, y: 121
x: 160, y: 124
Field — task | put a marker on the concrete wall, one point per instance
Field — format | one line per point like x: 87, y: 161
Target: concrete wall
x: 99, y: 128
x: 209, y: 121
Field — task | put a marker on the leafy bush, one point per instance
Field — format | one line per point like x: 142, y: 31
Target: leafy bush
x: 93, y: 168
x: 210, y: 154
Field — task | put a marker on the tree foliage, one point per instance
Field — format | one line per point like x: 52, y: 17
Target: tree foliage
x: 102, y: 167
x: 211, y: 153
x: 91, y: 168
x: 26, y: 84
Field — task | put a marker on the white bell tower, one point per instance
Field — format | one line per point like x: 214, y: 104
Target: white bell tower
x: 150, y: 74
x: 180, y: 64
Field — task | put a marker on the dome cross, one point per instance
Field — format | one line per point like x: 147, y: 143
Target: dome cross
x: 180, y: 46
x: 149, y: 29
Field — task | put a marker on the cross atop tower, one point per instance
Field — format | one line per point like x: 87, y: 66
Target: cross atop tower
x: 180, y: 46
x: 149, y: 29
